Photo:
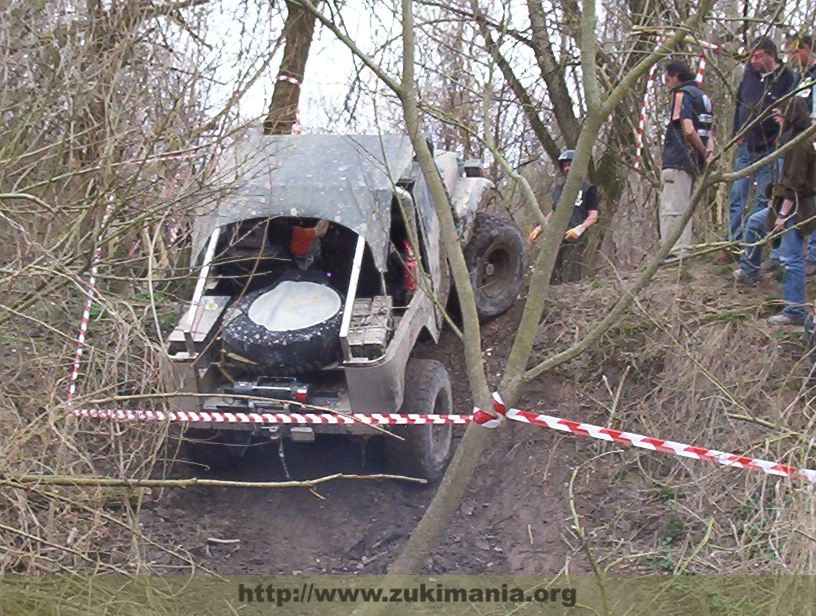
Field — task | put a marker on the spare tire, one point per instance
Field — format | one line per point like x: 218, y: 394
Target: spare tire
x: 496, y: 261
x: 290, y: 327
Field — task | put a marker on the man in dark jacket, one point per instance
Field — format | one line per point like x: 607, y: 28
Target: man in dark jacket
x: 764, y: 82
x: 686, y: 149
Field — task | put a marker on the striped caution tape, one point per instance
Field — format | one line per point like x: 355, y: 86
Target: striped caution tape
x: 371, y: 419
x: 644, y: 107
x: 296, y: 127
x: 293, y: 80
x: 86, y: 312
x: 479, y: 416
x: 637, y: 440
x: 701, y: 67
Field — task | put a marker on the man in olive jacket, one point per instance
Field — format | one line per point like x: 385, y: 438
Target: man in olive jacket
x: 790, y: 215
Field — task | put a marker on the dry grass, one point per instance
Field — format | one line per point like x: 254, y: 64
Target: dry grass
x: 694, y: 362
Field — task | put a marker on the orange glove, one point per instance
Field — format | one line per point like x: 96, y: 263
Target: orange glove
x: 574, y: 233
x: 535, y: 233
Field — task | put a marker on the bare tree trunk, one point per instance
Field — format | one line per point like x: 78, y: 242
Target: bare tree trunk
x: 552, y: 73
x: 298, y: 31
x: 529, y: 106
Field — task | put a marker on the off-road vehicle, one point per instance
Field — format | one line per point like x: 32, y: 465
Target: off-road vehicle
x: 283, y: 320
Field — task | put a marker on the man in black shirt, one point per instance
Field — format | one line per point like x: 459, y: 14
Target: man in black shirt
x: 584, y: 214
x: 686, y: 149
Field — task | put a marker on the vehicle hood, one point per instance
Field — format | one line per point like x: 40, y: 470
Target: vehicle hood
x: 347, y: 179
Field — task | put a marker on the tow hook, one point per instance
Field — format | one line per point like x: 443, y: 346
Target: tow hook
x: 282, y: 457
x: 274, y: 433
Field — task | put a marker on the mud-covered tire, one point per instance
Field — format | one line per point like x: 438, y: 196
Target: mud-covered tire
x: 426, y: 450
x: 290, y: 327
x: 496, y: 261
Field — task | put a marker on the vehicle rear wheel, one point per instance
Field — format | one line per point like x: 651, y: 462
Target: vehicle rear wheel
x: 426, y: 449
x: 496, y: 261
x: 291, y: 327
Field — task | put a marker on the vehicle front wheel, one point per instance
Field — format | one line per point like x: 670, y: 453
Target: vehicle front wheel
x: 426, y: 449
x: 496, y: 262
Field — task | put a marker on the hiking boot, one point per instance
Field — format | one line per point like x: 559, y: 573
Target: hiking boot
x: 783, y: 320
x: 810, y: 268
x: 742, y: 278
x: 771, y: 265
x: 726, y: 256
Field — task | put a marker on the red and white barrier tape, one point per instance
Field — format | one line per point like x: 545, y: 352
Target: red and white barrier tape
x: 479, y: 416
x: 86, y: 313
x: 701, y: 67
x: 293, y: 80
x: 638, y: 440
x: 644, y: 108
x: 296, y: 127
x: 379, y: 419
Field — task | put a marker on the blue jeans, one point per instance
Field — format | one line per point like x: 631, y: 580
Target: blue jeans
x: 740, y: 188
x: 812, y: 248
x: 790, y: 258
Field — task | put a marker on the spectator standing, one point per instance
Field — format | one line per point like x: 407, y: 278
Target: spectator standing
x: 764, y: 82
x: 687, y: 149
x: 569, y: 261
x: 790, y: 214
x: 802, y: 59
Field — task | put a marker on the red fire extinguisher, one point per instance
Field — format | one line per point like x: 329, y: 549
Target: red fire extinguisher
x: 409, y: 275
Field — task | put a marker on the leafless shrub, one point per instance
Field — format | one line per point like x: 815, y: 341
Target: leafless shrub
x: 107, y: 144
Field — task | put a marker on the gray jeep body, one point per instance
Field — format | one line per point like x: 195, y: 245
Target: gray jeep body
x: 371, y: 190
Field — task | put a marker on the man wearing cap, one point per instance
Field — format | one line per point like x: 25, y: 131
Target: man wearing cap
x: 764, y: 82
x: 687, y: 149
x: 584, y: 215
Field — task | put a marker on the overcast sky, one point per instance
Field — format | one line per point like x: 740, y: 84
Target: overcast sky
x: 328, y: 71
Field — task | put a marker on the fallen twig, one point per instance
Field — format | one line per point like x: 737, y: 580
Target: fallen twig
x: 63, y: 480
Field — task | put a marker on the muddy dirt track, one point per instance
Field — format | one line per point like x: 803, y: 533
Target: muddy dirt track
x: 514, y: 517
